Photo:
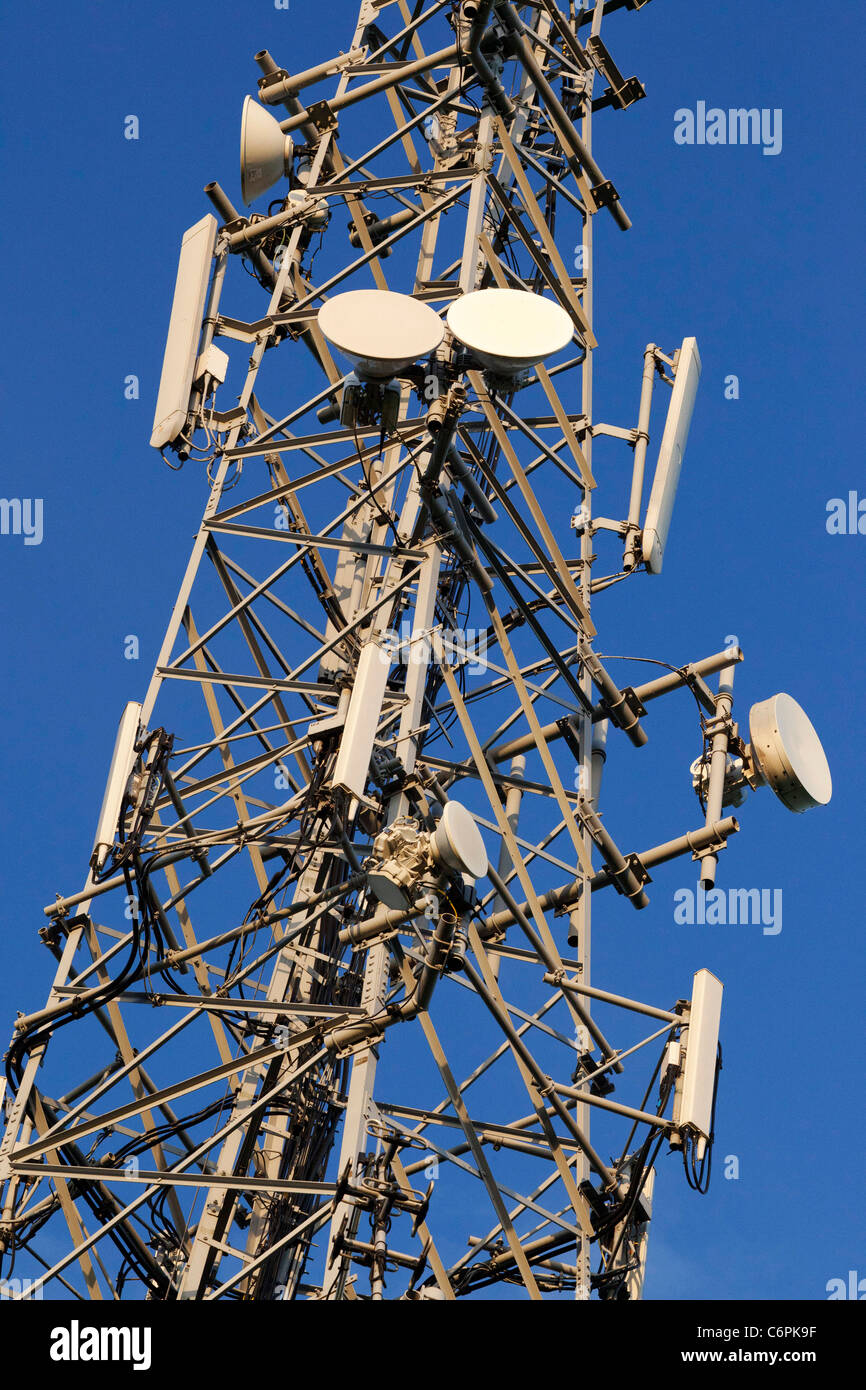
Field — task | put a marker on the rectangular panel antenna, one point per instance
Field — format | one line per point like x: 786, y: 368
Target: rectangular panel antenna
x: 673, y: 447
x: 362, y: 720
x: 184, y: 330
x: 702, y: 1041
x: 122, y: 762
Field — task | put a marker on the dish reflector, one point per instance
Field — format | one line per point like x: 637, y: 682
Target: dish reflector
x: 789, y: 754
x: 457, y: 841
x: 266, y: 153
x: 509, y: 330
x: 380, y: 332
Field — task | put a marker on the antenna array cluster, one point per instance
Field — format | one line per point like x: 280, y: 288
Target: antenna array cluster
x: 329, y: 976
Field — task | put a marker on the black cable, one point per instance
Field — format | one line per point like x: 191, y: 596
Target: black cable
x: 699, y: 1179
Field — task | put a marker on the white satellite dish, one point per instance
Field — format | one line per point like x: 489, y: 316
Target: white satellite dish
x: 380, y: 332
x: 509, y: 330
x: 670, y: 461
x: 266, y: 152
x: 457, y: 842
x: 788, y: 753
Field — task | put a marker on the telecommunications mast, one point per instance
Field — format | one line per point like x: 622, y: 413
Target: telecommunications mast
x: 323, y: 1023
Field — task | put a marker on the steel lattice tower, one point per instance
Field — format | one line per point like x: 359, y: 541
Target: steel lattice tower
x: 291, y: 1049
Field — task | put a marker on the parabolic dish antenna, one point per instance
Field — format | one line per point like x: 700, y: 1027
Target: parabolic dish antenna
x: 789, y: 754
x: 380, y: 332
x: 458, y: 842
x: 509, y: 330
x: 266, y: 152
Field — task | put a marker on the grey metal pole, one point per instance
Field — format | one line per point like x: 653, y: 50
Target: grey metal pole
x: 560, y: 899
x: 273, y: 95
x: 718, y: 767
x: 580, y: 151
x: 640, y: 451
x: 513, y: 798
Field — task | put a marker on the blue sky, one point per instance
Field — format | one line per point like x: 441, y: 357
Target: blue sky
x: 759, y: 257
